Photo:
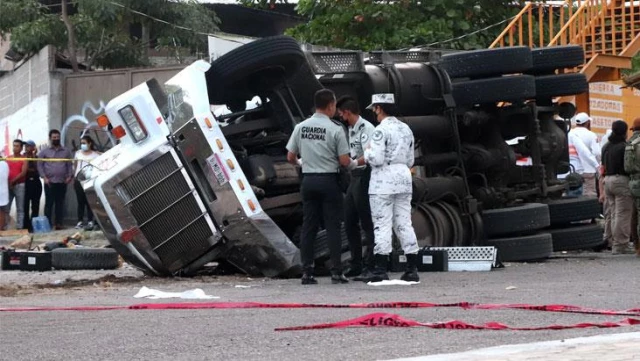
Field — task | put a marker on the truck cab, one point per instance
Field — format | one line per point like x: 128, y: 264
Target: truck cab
x: 171, y: 196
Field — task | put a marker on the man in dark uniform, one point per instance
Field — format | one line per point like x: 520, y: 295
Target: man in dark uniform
x: 322, y: 144
x: 357, y: 212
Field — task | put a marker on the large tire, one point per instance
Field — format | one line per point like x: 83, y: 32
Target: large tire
x: 576, y: 238
x: 567, y: 210
x: 548, y: 59
x: 526, y: 218
x: 525, y: 248
x: 84, y: 258
x: 551, y: 86
x: 487, y: 62
x: 261, y: 64
x: 493, y: 90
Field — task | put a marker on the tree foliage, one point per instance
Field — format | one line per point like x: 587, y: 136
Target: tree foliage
x: 377, y: 25
x: 103, y: 28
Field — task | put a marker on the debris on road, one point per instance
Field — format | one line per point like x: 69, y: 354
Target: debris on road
x: 393, y: 283
x: 195, y: 294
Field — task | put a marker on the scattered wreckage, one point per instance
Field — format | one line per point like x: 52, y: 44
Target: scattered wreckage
x: 184, y: 188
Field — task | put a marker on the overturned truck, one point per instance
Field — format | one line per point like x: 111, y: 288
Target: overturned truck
x: 184, y: 187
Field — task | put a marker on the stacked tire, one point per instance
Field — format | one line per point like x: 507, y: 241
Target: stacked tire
x: 571, y: 224
x: 514, y: 74
x: 516, y: 232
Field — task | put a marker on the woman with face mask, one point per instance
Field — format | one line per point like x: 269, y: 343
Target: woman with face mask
x: 83, y: 157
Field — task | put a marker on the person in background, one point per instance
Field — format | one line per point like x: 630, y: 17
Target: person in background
x: 83, y: 157
x: 4, y: 192
x: 32, y: 186
x: 634, y: 182
x: 56, y: 175
x: 17, y: 173
x: 585, y: 164
x: 606, y: 211
x: 616, y: 187
x: 579, y: 155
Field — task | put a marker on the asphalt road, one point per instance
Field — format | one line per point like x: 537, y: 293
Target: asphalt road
x: 590, y: 280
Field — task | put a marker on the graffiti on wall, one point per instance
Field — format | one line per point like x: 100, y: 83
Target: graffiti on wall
x: 78, y: 125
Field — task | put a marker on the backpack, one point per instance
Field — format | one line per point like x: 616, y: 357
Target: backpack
x: 632, y: 156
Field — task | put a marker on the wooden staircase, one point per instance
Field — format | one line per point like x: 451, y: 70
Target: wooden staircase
x: 608, y: 30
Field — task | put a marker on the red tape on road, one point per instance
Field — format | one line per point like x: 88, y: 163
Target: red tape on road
x: 377, y: 319
x: 393, y: 320
x: 397, y: 305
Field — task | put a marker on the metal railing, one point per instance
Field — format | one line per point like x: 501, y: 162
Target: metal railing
x: 599, y: 26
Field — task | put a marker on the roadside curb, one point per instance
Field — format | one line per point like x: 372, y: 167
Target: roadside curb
x: 547, y: 350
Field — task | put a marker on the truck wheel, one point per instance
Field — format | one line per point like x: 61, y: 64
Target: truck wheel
x: 487, y: 62
x: 550, y: 86
x: 84, y: 258
x: 524, y: 248
x: 576, y: 238
x: 493, y: 90
x: 261, y: 64
x: 546, y: 60
x: 567, y: 210
x: 526, y: 218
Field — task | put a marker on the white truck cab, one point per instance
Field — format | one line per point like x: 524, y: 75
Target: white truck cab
x: 171, y: 196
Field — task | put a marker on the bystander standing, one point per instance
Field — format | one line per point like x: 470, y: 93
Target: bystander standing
x: 32, y: 186
x: 616, y: 187
x: 4, y: 192
x: 57, y: 174
x: 83, y: 157
x: 17, y: 172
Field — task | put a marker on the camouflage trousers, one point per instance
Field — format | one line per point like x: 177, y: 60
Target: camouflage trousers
x: 392, y: 212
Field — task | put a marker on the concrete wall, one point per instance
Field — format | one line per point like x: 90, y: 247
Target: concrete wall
x: 30, y: 100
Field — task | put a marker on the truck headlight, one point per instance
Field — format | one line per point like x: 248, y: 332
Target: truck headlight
x: 131, y: 119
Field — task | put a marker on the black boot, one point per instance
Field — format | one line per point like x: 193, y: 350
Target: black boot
x: 411, y: 272
x: 338, y: 278
x: 380, y: 271
x: 353, y: 271
x: 366, y: 273
x: 307, y: 277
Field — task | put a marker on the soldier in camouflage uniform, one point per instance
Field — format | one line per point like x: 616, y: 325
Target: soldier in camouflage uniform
x: 390, y: 154
x: 634, y: 177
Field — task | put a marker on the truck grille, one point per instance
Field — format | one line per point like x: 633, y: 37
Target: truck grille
x: 166, y: 211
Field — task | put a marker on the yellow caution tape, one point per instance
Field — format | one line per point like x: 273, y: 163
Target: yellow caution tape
x: 42, y: 159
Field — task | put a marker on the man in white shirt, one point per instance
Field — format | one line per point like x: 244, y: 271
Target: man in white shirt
x: 585, y: 163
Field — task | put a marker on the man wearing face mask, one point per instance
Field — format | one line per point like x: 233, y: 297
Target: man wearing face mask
x: 390, y: 154
x: 56, y: 175
x: 357, y: 212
